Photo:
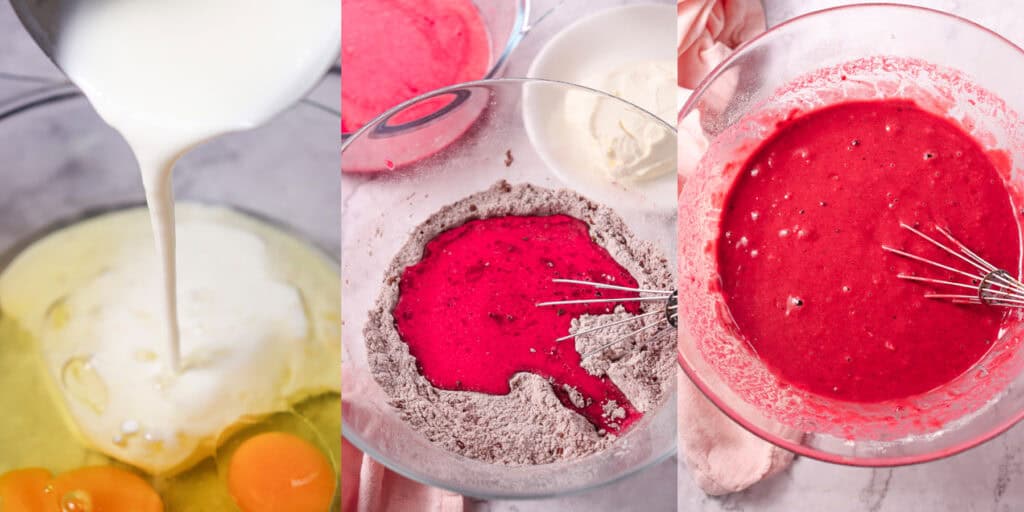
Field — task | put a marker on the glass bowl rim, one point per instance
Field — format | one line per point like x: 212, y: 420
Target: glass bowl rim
x: 349, y: 138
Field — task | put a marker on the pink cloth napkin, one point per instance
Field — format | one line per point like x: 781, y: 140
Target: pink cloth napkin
x: 709, y: 30
x: 368, y: 486
x: 722, y: 456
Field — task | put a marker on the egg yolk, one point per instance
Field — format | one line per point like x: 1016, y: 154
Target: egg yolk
x: 277, y: 471
x: 92, y: 489
x: 24, y: 490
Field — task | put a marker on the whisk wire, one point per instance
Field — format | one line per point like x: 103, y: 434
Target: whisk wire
x: 669, y: 314
x: 598, y: 301
x: 977, y: 259
x: 943, y: 247
x: 993, y: 286
x: 624, y: 337
x: 611, y: 324
x: 607, y: 286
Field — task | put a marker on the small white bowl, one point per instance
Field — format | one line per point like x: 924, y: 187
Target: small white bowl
x: 591, y: 48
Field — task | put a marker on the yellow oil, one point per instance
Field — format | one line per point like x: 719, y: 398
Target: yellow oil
x: 38, y: 435
x: 36, y: 432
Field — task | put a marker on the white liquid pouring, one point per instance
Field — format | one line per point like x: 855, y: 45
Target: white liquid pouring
x: 171, y: 74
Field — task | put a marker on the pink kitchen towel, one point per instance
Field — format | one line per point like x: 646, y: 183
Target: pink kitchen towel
x: 722, y: 456
x: 368, y: 486
x: 711, y: 29
x: 708, y: 31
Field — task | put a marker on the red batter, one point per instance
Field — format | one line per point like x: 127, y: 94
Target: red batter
x: 468, y: 309
x: 800, y: 257
x: 394, y: 50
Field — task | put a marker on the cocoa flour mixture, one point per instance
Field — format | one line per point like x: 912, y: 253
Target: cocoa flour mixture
x: 534, y: 422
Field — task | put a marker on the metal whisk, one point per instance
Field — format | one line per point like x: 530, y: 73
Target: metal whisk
x: 990, y: 285
x: 669, y: 313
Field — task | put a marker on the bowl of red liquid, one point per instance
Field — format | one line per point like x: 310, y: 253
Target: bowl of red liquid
x: 382, y: 210
x: 825, y: 134
x: 395, y: 51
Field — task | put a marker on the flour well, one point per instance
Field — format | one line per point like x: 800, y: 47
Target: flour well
x: 529, y: 425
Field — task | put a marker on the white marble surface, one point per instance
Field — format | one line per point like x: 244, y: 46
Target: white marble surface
x: 988, y: 478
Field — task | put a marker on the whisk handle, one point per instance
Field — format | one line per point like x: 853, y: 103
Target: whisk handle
x: 673, y: 303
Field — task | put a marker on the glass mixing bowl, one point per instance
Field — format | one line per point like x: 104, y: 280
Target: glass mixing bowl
x: 505, y: 129
x: 62, y: 163
x: 948, y: 65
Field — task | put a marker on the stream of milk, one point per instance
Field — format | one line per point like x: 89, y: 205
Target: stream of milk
x: 171, y: 74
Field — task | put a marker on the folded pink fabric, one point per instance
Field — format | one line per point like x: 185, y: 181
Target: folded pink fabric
x: 709, y: 30
x: 367, y: 485
x: 722, y: 456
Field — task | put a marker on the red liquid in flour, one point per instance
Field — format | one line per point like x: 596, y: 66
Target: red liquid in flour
x: 800, y: 257
x: 468, y: 309
x: 395, y: 50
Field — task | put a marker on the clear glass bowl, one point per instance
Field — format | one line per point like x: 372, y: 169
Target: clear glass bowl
x: 488, y: 135
x: 507, y: 23
x: 806, y: 63
x: 62, y: 163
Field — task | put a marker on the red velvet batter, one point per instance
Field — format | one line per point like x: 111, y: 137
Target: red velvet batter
x: 468, y: 309
x: 394, y: 50
x: 800, y: 257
